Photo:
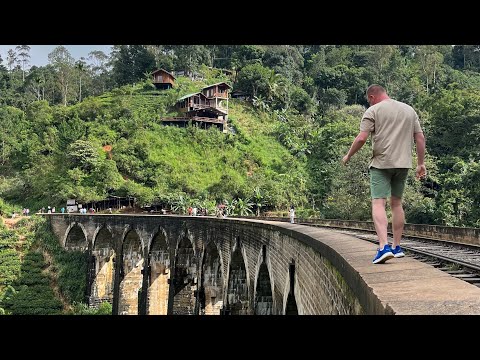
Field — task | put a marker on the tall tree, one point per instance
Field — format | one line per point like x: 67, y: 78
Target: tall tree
x: 23, y: 56
x: 286, y: 60
x: 63, y: 63
x: 244, y: 55
x: 163, y: 56
x: 430, y: 61
x: 80, y: 67
x: 4, y: 77
x: 11, y: 59
x: 254, y: 80
x: 99, y: 60
x: 99, y: 67
x: 190, y: 57
x: 130, y: 63
x: 35, y: 81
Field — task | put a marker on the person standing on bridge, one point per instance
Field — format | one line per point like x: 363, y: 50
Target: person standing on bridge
x: 292, y: 214
x: 394, y: 126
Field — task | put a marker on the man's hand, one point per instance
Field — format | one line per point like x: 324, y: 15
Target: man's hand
x: 421, y: 171
x: 345, y: 159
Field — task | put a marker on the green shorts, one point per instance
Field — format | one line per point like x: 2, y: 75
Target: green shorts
x: 387, y: 182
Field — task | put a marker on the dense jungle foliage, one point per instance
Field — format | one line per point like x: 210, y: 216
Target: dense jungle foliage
x: 285, y: 141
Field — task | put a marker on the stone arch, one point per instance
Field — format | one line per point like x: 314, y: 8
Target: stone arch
x: 104, y: 256
x: 76, y: 237
x: 211, y: 283
x: 290, y: 306
x: 159, y: 274
x: 162, y: 233
x: 127, y: 230
x: 98, y: 229
x: 186, y: 235
x: 131, y: 276
x: 184, y: 276
x: 237, y: 288
x: 263, y: 302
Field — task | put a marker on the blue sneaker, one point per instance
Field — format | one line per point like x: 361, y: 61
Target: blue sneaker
x: 398, y: 252
x: 383, y: 255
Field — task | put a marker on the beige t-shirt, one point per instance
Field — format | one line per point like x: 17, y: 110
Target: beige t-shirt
x: 392, y: 124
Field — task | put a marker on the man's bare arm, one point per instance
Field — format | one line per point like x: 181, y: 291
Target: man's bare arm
x: 420, y: 144
x: 357, y: 144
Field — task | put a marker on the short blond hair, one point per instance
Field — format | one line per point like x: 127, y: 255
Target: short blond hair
x: 375, y: 89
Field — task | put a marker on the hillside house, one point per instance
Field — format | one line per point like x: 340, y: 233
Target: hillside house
x: 206, y: 107
x: 162, y: 79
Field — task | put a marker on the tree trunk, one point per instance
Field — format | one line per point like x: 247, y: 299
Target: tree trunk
x: 65, y: 95
x: 213, y: 56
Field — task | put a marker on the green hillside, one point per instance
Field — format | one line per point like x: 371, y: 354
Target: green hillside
x: 58, y: 153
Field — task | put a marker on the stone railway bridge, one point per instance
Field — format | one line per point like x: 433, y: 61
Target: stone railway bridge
x: 163, y: 264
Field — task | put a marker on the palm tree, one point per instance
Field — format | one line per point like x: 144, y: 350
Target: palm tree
x: 276, y: 85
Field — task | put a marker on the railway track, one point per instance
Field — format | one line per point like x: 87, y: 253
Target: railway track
x: 459, y: 257
x: 459, y: 261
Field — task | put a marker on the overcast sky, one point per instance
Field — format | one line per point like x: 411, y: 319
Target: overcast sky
x: 39, y: 53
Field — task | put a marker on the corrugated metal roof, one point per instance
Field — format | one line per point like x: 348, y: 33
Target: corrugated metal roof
x: 153, y: 72
x: 216, y: 84
x: 188, y: 95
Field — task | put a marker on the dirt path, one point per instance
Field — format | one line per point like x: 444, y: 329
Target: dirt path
x: 11, y: 223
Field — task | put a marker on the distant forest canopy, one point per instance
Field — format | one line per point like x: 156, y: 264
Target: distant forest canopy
x: 302, y: 110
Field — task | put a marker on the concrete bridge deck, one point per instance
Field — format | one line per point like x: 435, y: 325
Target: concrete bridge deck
x: 333, y: 273
x: 402, y: 286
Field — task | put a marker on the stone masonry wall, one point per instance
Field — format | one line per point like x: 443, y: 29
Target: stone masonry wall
x: 318, y: 286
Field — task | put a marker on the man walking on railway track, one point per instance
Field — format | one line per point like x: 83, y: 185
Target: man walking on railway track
x: 394, y: 126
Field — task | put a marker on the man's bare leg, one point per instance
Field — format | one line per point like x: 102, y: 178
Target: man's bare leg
x: 379, y: 216
x: 398, y: 220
